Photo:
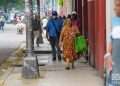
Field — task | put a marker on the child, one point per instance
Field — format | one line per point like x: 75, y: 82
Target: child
x: 113, y: 49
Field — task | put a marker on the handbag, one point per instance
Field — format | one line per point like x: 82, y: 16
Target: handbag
x: 80, y: 44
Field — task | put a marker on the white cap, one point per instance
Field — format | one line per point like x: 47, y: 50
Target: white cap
x: 74, y: 12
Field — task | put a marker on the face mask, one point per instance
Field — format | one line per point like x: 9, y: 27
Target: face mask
x: 54, y: 17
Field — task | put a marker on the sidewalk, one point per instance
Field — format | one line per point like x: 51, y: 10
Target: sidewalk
x: 54, y: 74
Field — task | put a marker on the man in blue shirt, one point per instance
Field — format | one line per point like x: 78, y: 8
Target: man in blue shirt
x: 53, y: 29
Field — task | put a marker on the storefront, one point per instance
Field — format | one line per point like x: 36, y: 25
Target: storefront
x: 93, y: 16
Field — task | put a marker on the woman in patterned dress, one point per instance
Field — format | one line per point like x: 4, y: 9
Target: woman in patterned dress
x: 67, y: 36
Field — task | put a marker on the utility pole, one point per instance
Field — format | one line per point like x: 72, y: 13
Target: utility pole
x: 30, y: 66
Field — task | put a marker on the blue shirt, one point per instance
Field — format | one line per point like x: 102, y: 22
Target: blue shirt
x: 115, y: 23
x: 54, y: 27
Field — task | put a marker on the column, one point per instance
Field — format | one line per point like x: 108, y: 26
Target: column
x: 100, y: 34
x: 30, y: 67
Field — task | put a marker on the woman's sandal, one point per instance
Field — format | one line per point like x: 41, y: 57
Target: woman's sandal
x: 73, y: 66
x: 67, y: 68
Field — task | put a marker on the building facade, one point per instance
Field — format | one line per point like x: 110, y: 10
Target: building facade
x: 93, y: 25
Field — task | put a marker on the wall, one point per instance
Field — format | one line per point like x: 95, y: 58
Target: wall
x: 67, y: 8
x: 96, y: 30
x: 91, y: 31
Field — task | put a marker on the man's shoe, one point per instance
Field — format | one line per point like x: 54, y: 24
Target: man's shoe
x: 37, y: 45
x: 73, y: 66
x: 59, y: 58
x: 67, y: 68
x: 54, y: 59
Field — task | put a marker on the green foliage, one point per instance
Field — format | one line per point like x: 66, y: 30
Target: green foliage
x: 19, y: 4
x: 4, y: 2
x: 60, y: 2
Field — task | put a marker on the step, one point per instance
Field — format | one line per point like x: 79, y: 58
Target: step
x: 42, y: 52
x: 42, y: 49
x: 44, y: 59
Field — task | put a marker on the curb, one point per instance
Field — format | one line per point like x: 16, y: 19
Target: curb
x: 7, y: 69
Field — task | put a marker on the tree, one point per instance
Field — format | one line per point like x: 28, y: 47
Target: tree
x: 19, y: 4
x: 60, y: 2
x: 5, y: 4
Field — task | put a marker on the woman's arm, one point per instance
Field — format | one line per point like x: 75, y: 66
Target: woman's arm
x: 109, y: 47
x: 61, y: 36
x: 108, y: 55
x: 109, y: 44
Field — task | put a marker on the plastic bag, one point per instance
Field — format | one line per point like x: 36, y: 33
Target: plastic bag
x: 80, y: 44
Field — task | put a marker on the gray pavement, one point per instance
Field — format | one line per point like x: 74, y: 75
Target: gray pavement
x: 56, y: 75
x: 9, y: 41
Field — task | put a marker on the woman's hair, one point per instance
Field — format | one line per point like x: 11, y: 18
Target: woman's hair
x: 67, y: 19
x: 116, y: 0
x: 69, y: 16
x: 64, y: 17
x: 117, y: 7
x: 74, y: 17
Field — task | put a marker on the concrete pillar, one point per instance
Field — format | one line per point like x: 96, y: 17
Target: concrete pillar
x: 100, y: 34
x: 30, y: 66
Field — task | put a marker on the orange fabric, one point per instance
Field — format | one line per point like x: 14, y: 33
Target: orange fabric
x: 67, y: 36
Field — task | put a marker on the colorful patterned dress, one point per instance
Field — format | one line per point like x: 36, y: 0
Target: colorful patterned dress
x: 67, y: 35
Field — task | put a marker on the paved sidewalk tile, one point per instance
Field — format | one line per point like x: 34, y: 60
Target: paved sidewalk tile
x: 54, y: 74
x: 83, y: 75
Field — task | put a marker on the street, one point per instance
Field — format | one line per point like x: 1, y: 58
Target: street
x: 9, y: 41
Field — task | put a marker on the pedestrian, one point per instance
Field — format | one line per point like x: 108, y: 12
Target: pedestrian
x: 36, y: 29
x: 2, y: 23
x: 75, y: 19
x: 44, y: 23
x: 64, y: 17
x: 113, y: 49
x: 20, y: 27
x: 67, y: 36
x: 65, y: 20
x: 52, y: 33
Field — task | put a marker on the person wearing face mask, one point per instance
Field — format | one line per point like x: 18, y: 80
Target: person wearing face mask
x: 67, y: 36
x: 53, y: 30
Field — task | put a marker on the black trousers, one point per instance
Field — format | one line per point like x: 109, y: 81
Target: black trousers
x: 54, y: 42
